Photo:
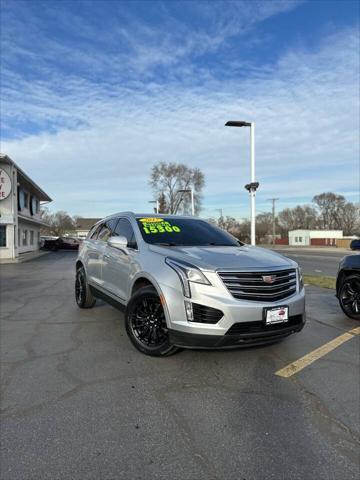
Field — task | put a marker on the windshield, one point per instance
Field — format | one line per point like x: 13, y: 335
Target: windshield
x: 183, y: 232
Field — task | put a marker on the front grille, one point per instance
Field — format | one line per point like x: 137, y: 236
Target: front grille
x: 260, y: 327
x: 251, y: 285
x: 204, y: 314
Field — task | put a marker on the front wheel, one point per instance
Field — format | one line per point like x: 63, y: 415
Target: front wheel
x: 146, y: 324
x: 349, y: 296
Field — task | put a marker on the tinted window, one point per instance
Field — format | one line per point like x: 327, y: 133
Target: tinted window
x: 94, y: 232
x: 183, y: 231
x: 124, y: 228
x: 104, y: 233
x: 106, y: 230
x: 2, y: 235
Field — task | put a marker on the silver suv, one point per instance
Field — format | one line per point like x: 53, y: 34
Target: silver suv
x: 183, y: 282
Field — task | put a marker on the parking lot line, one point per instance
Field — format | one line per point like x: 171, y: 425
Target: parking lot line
x: 311, y: 357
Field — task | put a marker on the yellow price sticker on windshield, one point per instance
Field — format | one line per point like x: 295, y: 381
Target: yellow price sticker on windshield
x: 152, y: 220
x: 162, y: 226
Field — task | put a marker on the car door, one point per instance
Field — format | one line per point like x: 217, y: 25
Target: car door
x: 95, y: 252
x: 119, y: 265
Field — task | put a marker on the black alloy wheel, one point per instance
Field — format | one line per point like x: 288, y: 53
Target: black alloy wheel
x: 146, y: 323
x: 349, y: 296
x: 83, y: 295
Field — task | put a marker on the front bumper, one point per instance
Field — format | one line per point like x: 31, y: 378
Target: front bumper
x: 217, y: 297
x: 263, y: 335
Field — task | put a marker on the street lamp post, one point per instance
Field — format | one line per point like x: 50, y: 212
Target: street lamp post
x: 157, y: 204
x: 191, y: 191
x: 253, y: 185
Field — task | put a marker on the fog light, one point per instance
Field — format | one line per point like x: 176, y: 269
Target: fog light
x: 189, y: 311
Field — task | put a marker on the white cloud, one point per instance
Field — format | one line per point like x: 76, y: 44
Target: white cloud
x: 107, y: 134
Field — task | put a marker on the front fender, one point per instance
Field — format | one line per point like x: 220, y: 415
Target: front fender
x: 157, y: 287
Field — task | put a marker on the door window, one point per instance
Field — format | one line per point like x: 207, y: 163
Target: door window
x: 125, y: 229
x: 104, y: 233
x: 107, y: 229
x: 94, y: 232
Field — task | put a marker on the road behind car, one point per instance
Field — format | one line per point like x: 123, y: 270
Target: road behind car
x: 79, y: 402
x: 316, y: 261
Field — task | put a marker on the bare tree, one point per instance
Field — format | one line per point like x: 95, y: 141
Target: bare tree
x: 299, y: 217
x: 264, y: 227
x: 330, y: 207
x: 59, y: 222
x: 168, y: 178
x: 350, y: 219
x: 231, y: 225
x: 162, y: 203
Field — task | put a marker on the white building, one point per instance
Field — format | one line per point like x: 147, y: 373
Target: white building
x: 20, y: 220
x: 301, y: 238
x: 83, y: 226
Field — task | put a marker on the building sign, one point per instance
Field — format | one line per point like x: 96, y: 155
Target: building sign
x: 5, y: 185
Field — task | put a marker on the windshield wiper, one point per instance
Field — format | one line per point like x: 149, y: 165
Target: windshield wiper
x: 166, y: 244
x: 213, y: 244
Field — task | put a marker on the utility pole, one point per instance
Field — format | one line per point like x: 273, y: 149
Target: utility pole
x: 273, y: 200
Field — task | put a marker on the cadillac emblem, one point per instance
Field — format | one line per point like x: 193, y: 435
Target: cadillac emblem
x: 269, y: 278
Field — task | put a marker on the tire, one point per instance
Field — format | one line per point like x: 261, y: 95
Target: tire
x: 83, y: 296
x: 349, y: 296
x: 146, y: 325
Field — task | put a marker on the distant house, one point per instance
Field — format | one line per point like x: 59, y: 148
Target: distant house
x: 301, y: 238
x: 83, y: 226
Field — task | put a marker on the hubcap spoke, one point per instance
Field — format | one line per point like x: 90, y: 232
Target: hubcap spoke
x: 148, y: 322
x: 350, y: 297
x: 355, y: 306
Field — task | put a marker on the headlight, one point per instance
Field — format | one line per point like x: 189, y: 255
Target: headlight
x: 300, y: 278
x: 187, y: 273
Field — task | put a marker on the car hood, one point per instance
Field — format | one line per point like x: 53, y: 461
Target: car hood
x: 231, y: 258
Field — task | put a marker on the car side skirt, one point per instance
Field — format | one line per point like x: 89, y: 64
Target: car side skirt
x: 107, y: 298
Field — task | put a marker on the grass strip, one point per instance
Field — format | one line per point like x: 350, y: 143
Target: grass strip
x: 320, y: 281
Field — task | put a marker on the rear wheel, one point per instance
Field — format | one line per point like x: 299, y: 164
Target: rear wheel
x: 84, y: 297
x: 146, y: 324
x: 349, y: 296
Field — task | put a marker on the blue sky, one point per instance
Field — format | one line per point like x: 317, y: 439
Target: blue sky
x: 95, y: 92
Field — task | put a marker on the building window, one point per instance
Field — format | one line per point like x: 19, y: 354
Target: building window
x: 296, y: 239
x: 24, y: 238
x: 300, y: 239
x: 31, y: 237
x: 2, y: 235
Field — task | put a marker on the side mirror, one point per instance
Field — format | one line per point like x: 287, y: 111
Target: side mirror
x: 119, y: 242
x: 355, y: 244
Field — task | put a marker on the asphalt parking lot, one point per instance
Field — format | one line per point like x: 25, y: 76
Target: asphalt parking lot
x: 79, y: 402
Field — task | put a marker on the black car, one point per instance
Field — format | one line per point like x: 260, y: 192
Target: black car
x: 348, y: 286
x: 355, y: 244
x: 59, y: 243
